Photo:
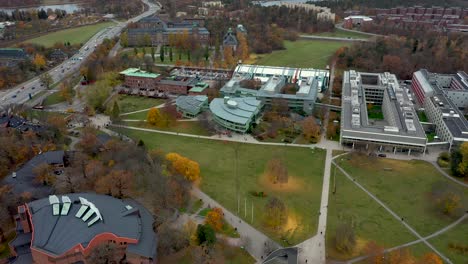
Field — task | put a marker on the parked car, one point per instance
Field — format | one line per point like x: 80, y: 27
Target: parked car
x: 382, y: 155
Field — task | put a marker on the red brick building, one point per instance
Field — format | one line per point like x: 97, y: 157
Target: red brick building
x: 67, y: 228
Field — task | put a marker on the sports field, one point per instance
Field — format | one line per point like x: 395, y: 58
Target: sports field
x: 76, y: 35
x: 302, y: 53
x: 217, y: 162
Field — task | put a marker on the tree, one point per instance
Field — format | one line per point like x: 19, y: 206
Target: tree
x: 135, y: 51
x: 188, y: 55
x: 44, y: 174
x: 115, y: 111
x: 310, y: 129
x: 181, y: 165
x: 46, y: 79
x: 206, y: 235
x: 275, y: 213
x: 277, y: 171
x: 66, y: 91
x: 214, y: 218
x: 345, y: 240
x: 170, y: 240
x: 152, y: 54
x: 375, y: 252
x: 170, y: 54
x: 430, y: 258
x: 243, y: 49
x: 447, y: 199
x: 104, y: 254
x: 88, y: 142
x: 39, y: 61
x: 124, y: 39
x: 400, y: 256
x: 207, y: 53
x: 161, y: 54
x: 147, y: 39
x: 228, y: 57
x: 118, y: 183
x: 154, y: 117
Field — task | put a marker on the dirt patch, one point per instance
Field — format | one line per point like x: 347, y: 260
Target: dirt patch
x: 294, y: 184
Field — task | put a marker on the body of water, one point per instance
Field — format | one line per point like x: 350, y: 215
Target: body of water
x: 70, y: 8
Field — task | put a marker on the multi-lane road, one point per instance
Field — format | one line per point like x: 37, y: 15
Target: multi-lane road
x: 21, y: 93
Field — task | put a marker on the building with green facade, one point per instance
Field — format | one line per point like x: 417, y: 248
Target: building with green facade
x: 298, y: 87
x: 192, y: 105
x: 236, y: 114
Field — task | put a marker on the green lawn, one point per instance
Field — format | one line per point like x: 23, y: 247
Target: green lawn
x: 186, y: 127
x: 370, y: 221
x: 405, y: 187
x: 73, y: 35
x: 130, y: 103
x: 375, y: 112
x: 339, y: 33
x: 217, y: 162
x: 456, y: 236
x: 302, y: 53
x: 203, y: 212
x: 52, y: 99
x: 231, y: 255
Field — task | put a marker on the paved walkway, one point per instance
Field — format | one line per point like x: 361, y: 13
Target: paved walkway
x: 396, y: 216
x: 256, y: 246
x: 143, y: 110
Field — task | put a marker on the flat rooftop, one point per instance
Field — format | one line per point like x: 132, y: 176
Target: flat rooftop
x: 135, y: 72
x: 400, y: 125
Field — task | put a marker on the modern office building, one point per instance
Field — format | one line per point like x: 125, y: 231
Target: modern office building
x: 398, y: 131
x: 189, y: 106
x: 305, y: 83
x: 66, y: 229
x: 443, y: 96
x: 159, y: 31
x: 236, y: 114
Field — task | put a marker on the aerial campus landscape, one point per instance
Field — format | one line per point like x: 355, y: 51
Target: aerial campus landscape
x: 234, y: 131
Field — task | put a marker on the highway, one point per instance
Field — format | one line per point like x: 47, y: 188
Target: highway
x: 20, y: 94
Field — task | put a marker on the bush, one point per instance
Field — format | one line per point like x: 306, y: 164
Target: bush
x: 442, y: 163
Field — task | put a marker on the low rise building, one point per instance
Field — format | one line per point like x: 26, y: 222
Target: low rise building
x: 400, y: 129
x: 67, y: 228
x: 10, y: 57
x: 305, y: 83
x: 356, y: 21
x: 192, y: 105
x: 236, y: 114
x: 443, y: 96
x: 135, y: 78
x: 200, y: 88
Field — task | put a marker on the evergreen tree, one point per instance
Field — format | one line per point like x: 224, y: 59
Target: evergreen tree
x: 188, y: 55
x: 207, y: 53
x: 161, y: 54
x: 170, y: 54
x: 152, y: 54
x: 115, y: 111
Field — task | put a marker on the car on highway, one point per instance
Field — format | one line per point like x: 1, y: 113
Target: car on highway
x: 32, y: 88
x: 14, y: 96
x: 22, y: 88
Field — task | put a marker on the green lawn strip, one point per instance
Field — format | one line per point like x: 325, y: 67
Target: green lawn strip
x: 405, y: 187
x: 229, y: 230
x: 52, y: 99
x: 204, y: 212
x: 217, y: 163
x: 339, y: 33
x: 453, y: 242
x: 39, y: 94
x: 195, y: 206
x: 232, y: 255
x: 136, y: 116
x: 370, y: 221
x: 42, y: 115
x: 186, y: 127
x: 130, y: 103
x: 76, y: 35
x: 302, y: 53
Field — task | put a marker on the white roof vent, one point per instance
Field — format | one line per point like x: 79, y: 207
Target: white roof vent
x: 66, y: 205
x: 55, y: 202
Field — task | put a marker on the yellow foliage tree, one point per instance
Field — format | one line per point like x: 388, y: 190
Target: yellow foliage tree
x: 214, y: 218
x: 430, y: 258
x: 154, y: 117
x: 243, y: 49
x: 228, y: 57
x: 184, y: 166
x: 39, y: 61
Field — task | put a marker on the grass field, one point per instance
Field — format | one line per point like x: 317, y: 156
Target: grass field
x: 232, y: 255
x: 52, y: 99
x: 187, y: 127
x: 405, y: 187
x: 302, y: 53
x: 456, y: 236
x: 217, y: 162
x: 73, y: 35
x: 130, y: 103
x: 370, y: 221
x: 339, y: 33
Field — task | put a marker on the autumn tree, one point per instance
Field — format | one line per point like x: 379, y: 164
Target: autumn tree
x: 243, y: 49
x: 228, y: 57
x: 58, y: 123
x: 104, y: 254
x: 310, y: 129
x: 154, y: 117
x: 214, y: 218
x: 345, y: 239
x: 275, y: 213
x: 44, y: 174
x: 66, y: 91
x: 401, y: 256
x: 183, y: 166
x: 277, y: 171
x: 171, y: 240
x: 375, y: 253
x: 118, y: 183
x: 448, y: 199
x: 39, y: 61
x: 88, y: 142
x: 46, y: 79
x: 430, y: 258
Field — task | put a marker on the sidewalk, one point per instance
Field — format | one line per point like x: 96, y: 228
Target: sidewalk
x: 257, y: 239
